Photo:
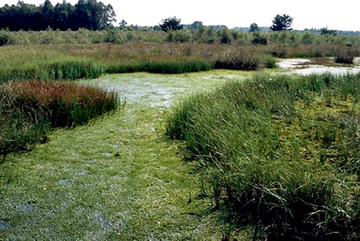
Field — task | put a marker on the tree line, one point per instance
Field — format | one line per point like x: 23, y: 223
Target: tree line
x: 89, y: 14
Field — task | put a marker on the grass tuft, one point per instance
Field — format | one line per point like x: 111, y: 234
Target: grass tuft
x: 29, y: 109
x: 280, y: 152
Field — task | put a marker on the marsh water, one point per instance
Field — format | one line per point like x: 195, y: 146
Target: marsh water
x: 159, y: 90
x: 120, y: 177
x: 306, y: 66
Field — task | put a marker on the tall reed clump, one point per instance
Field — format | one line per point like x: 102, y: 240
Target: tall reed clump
x: 178, y: 66
x: 28, y: 110
x: 169, y: 66
x: 280, y: 153
x: 71, y: 70
x: 55, y: 70
x: 242, y: 60
x: 345, y: 56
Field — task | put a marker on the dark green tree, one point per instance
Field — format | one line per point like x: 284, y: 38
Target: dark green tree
x: 326, y: 31
x: 62, y: 13
x: 48, y: 12
x: 123, y: 24
x: 89, y: 14
x: 281, y: 22
x: 170, y: 24
x: 196, y: 25
x: 254, y: 27
x: 100, y: 15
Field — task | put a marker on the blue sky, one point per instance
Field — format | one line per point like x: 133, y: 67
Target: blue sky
x: 337, y: 15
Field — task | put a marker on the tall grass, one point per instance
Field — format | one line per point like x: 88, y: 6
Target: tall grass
x: 74, y: 61
x: 280, y: 153
x: 346, y: 56
x: 57, y: 70
x: 28, y: 110
x: 69, y: 62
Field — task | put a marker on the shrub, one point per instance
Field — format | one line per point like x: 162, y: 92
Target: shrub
x: 181, y: 36
x: 279, y: 52
x: 113, y: 36
x: 259, y: 39
x: 344, y: 57
x: 225, y: 36
x: 5, y: 37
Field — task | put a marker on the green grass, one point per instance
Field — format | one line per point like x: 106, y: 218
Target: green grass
x: 118, y: 178
x: 280, y: 152
x: 77, y: 61
x: 95, y: 181
x: 71, y: 62
x: 28, y: 110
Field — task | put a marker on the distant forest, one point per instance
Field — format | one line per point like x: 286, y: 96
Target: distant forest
x: 89, y: 14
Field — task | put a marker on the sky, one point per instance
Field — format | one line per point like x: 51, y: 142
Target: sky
x: 337, y: 15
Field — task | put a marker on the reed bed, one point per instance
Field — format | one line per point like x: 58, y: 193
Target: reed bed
x: 75, y: 61
x: 70, y: 62
x: 28, y: 110
x: 280, y: 153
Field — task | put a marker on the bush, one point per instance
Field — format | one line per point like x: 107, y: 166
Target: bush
x: 259, y: 39
x: 5, y: 37
x: 344, y: 57
x: 225, y: 36
x: 181, y: 36
x: 279, y: 52
x: 113, y: 36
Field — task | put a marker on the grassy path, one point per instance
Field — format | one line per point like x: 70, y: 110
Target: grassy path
x: 119, y: 178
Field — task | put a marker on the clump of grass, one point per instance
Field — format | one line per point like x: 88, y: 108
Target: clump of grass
x: 243, y: 60
x: 125, y: 67
x: 280, y: 153
x: 178, y: 66
x: 169, y: 66
x: 29, y: 109
x: 279, y: 52
x: 56, y: 70
x: 19, y: 133
x: 345, y: 57
x: 270, y: 62
x: 71, y: 70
